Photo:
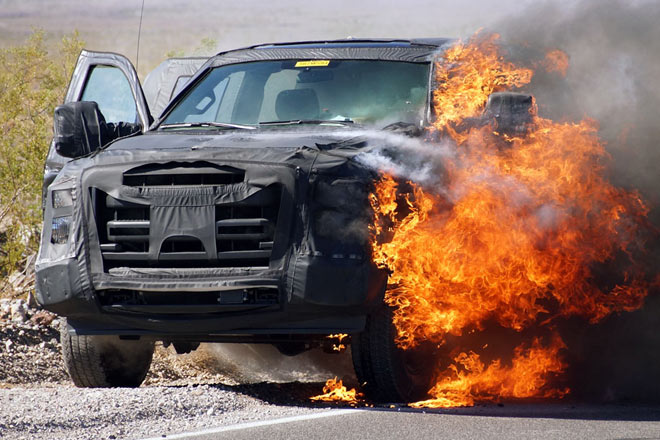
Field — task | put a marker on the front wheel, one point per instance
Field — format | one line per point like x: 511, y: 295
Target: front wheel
x: 105, y: 361
x: 386, y: 372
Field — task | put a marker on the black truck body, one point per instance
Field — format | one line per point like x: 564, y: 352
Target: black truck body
x: 279, y: 270
x: 248, y: 227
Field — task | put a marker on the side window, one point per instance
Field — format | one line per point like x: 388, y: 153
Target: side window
x: 109, y: 87
x: 180, y: 82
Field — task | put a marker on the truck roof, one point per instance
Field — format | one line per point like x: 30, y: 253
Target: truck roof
x: 350, y: 43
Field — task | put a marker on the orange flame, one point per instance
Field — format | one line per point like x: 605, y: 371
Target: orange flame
x: 556, y: 61
x: 468, y: 379
x: 468, y: 74
x: 521, y: 234
x: 338, y: 341
x: 335, y: 391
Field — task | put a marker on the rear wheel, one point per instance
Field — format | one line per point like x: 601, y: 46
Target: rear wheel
x: 105, y: 361
x: 386, y: 372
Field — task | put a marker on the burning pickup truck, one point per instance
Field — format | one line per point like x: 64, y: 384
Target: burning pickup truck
x: 241, y: 209
x: 235, y: 214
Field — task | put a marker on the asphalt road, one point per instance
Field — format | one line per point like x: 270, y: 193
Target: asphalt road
x: 516, y: 421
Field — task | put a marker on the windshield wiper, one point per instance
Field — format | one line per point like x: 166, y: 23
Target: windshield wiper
x: 208, y: 124
x: 345, y: 121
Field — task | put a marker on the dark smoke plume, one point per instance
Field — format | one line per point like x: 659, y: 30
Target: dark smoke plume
x: 614, y: 53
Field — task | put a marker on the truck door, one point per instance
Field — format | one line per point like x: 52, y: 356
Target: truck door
x: 110, y: 80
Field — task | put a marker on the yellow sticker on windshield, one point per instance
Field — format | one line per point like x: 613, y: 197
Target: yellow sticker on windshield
x: 313, y: 63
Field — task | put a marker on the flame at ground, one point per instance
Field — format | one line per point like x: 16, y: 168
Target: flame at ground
x: 335, y: 391
x: 468, y: 372
x: 527, y: 229
x: 338, y: 341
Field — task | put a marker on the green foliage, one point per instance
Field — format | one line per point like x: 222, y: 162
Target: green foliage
x: 32, y: 83
x: 207, y: 47
x: 175, y: 53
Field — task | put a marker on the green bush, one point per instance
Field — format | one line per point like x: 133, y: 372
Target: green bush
x: 32, y: 82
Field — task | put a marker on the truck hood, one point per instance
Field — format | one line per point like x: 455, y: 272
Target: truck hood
x: 309, y: 151
x: 257, y: 139
x: 322, y: 149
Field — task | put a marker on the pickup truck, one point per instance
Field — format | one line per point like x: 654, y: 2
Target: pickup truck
x: 235, y: 210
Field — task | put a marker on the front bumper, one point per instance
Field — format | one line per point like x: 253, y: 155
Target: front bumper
x: 319, y: 297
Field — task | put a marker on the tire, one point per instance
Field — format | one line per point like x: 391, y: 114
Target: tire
x: 105, y: 361
x: 386, y: 372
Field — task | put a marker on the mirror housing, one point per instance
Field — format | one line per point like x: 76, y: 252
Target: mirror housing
x: 77, y: 128
x: 512, y: 112
x: 80, y: 128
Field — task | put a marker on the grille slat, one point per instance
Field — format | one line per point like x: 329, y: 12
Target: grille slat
x: 243, y: 255
x: 123, y: 229
x: 126, y: 256
x: 128, y: 230
x: 183, y: 174
x: 111, y: 247
x: 182, y: 256
x: 255, y: 229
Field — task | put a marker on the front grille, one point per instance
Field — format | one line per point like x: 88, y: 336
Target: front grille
x: 244, y: 231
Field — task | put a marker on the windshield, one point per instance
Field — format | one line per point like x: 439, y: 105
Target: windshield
x: 366, y: 92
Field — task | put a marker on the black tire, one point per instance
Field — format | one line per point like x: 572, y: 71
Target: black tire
x: 105, y: 361
x: 386, y: 372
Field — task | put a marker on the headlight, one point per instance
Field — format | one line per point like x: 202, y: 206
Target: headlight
x: 60, y: 230
x: 62, y: 198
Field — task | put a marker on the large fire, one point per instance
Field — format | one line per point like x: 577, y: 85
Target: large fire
x: 527, y: 229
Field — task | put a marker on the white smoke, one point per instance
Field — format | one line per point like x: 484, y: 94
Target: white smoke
x: 253, y: 363
x: 411, y: 158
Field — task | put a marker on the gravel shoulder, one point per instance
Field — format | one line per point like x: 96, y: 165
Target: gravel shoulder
x: 65, y: 412
x: 181, y: 392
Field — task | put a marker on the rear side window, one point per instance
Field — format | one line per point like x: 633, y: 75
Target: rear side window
x: 109, y: 87
x: 180, y: 82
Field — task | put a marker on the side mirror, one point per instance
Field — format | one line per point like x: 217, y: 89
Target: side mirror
x: 77, y: 128
x: 513, y: 112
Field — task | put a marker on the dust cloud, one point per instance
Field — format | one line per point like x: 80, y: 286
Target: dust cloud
x: 254, y: 363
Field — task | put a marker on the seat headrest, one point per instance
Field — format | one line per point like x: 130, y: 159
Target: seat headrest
x: 297, y: 104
